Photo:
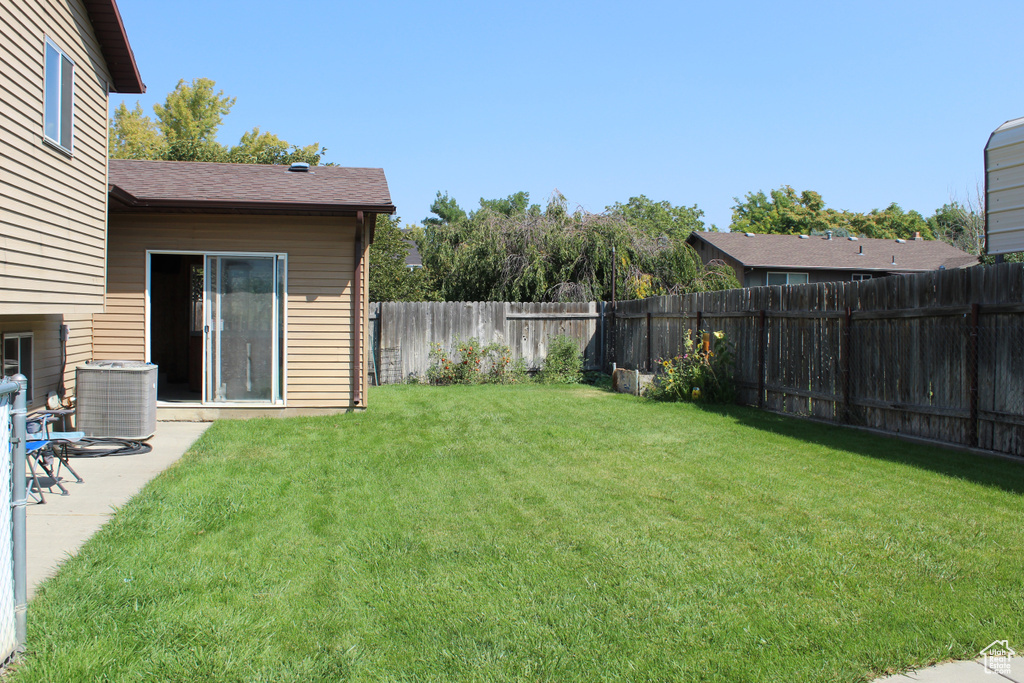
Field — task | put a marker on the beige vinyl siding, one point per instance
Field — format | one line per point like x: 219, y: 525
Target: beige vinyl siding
x: 45, y: 331
x: 321, y: 262
x: 52, y: 219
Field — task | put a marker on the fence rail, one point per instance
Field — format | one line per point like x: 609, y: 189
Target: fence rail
x: 937, y: 355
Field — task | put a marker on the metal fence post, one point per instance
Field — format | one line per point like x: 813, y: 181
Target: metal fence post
x: 18, y: 510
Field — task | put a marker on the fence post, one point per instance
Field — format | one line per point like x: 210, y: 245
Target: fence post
x: 648, y: 341
x: 846, y: 351
x: 762, y: 341
x: 972, y: 374
x: 18, y: 511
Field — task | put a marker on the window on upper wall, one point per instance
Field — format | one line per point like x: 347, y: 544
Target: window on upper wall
x: 59, y: 97
x: 787, y: 278
x: 17, y: 357
x: 857, y: 277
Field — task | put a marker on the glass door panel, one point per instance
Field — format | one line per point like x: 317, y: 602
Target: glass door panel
x: 243, y: 323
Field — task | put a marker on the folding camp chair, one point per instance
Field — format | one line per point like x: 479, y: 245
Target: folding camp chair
x: 44, y: 449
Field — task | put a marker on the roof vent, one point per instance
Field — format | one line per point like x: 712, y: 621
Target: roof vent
x: 749, y: 234
x: 894, y: 259
x: 917, y: 236
x: 899, y: 241
x: 861, y: 253
x: 805, y: 237
x: 852, y: 238
x: 828, y: 234
x: 299, y: 167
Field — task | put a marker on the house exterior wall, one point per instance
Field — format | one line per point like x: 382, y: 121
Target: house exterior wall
x: 756, y: 277
x: 320, y: 314
x: 709, y: 252
x: 53, y: 213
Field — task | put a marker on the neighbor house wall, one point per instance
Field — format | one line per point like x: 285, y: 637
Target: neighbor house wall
x: 52, y: 217
x: 708, y: 252
x: 320, y: 314
x: 758, y: 277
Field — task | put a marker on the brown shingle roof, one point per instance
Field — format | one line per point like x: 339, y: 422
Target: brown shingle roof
x: 839, y: 253
x: 109, y: 30
x: 198, y: 185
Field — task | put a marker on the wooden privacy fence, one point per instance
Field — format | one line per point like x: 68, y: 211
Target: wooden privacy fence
x: 938, y: 355
x: 404, y: 332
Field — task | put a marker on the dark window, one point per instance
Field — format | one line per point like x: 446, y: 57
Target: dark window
x: 787, y: 278
x: 18, y: 357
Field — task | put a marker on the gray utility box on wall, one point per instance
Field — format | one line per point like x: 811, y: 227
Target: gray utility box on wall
x: 116, y: 399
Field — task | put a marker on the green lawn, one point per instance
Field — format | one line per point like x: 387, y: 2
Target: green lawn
x: 541, y: 533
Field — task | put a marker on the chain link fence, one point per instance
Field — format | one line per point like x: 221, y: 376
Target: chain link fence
x: 8, y: 627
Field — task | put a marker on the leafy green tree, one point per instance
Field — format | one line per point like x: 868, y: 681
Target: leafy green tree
x: 513, y: 205
x: 891, y: 223
x: 510, y: 250
x: 659, y: 218
x: 189, y: 119
x: 962, y: 224
x: 266, y: 148
x: 446, y: 211
x: 390, y: 278
x: 186, y: 130
x: 133, y: 135
x: 784, y: 212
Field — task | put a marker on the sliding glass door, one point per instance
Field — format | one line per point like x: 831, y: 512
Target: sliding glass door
x: 244, y: 328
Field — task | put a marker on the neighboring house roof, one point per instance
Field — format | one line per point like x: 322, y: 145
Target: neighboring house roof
x: 109, y: 29
x: 413, y: 260
x: 838, y: 253
x: 246, y: 188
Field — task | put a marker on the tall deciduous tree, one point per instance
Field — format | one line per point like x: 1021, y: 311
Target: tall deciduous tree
x: 189, y: 120
x: 390, y: 278
x: 186, y: 130
x: 133, y: 135
x: 659, y: 218
x: 266, y: 148
x: 785, y: 212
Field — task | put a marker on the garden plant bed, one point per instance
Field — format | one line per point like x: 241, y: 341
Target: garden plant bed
x: 534, y: 532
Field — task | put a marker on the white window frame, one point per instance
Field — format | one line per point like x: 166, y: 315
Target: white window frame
x: 13, y: 370
x: 768, y: 277
x: 65, y: 112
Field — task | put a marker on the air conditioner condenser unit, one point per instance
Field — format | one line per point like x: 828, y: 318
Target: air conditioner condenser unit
x: 116, y: 399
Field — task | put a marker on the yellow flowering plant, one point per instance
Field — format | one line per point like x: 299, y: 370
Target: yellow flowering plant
x: 703, y: 372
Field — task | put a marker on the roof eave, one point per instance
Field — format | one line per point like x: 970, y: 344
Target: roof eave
x: 117, y: 51
x: 143, y: 204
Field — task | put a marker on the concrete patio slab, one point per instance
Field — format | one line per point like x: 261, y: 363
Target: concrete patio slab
x: 57, y: 529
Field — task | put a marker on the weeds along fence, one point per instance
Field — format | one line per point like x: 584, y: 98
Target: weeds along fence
x: 938, y: 355
x: 402, y: 333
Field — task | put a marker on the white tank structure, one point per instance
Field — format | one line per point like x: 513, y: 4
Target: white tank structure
x: 1004, y: 188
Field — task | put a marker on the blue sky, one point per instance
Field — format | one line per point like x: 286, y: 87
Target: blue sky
x: 695, y: 103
